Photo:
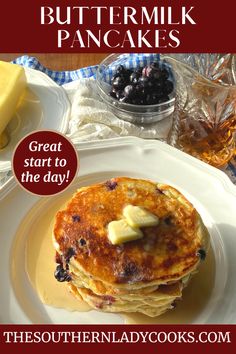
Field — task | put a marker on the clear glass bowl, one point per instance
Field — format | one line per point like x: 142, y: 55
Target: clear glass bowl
x: 138, y: 114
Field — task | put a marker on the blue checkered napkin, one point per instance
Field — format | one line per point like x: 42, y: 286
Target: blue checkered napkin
x: 135, y: 60
x: 60, y: 77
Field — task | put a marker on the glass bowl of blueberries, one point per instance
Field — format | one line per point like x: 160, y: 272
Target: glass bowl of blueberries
x: 139, y: 88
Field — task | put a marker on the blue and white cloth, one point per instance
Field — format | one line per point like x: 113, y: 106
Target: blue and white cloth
x: 124, y: 128
x: 60, y: 77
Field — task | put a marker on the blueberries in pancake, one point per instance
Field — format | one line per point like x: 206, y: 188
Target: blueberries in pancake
x: 111, y: 185
x: 172, y: 247
x: 159, y: 191
x: 99, y: 305
x: 168, y: 220
x: 202, y: 254
x: 75, y: 218
x: 130, y: 269
x: 109, y: 299
x: 174, y: 304
x: 82, y: 242
x: 61, y: 274
x: 70, y: 252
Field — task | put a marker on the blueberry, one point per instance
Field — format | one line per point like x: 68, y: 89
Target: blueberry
x: 129, y: 269
x: 112, y: 94
x: 155, y: 65
x: 156, y: 74
x: 159, y: 191
x: 168, y: 87
x: 111, y: 185
x: 174, y: 304
x: 119, y: 94
x: 115, y: 76
x: 61, y: 274
x: 126, y: 74
x: 120, y: 69
x: 154, y: 99
x: 82, y: 242
x: 149, y: 99
x: 163, y: 99
x: 157, y: 93
x: 168, y: 220
x: 144, y: 81
x: 70, y: 253
x: 129, y: 91
x: 134, y: 77
x: 125, y: 100
x: 135, y: 101
x: 75, y: 218
x: 201, y: 253
x: 159, y: 85
x: 164, y: 74
x: 119, y: 83
x: 139, y: 89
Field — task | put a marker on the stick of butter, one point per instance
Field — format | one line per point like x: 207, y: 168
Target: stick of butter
x: 119, y: 231
x: 12, y: 86
x: 139, y: 217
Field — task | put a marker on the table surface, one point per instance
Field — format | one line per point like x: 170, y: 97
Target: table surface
x: 61, y: 61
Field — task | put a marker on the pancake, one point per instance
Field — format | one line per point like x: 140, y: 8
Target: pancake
x: 163, y: 296
x: 135, y: 271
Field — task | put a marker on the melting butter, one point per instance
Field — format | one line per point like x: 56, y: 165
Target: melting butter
x: 139, y: 217
x: 119, y: 231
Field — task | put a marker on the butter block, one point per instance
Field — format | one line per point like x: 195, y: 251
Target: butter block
x: 139, y: 217
x: 12, y: 86
x: 120, y: 231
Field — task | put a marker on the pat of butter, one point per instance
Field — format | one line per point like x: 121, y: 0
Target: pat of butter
x: 120, y: 231
x: 139, y: 217
x: 12, y: 86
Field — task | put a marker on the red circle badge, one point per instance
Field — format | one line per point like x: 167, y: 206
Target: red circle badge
x: 45, y: 163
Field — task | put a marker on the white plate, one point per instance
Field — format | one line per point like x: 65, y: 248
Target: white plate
x: 210, y: 190
x: 45, y: 106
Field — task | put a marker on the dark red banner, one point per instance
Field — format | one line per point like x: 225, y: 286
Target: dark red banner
x: 118, y: 339
x: 111, y: 26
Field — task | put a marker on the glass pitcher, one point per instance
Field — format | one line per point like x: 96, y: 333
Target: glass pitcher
x: 204, y: 120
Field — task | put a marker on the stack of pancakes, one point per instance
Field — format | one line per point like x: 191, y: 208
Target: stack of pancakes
x: 145, y: 275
